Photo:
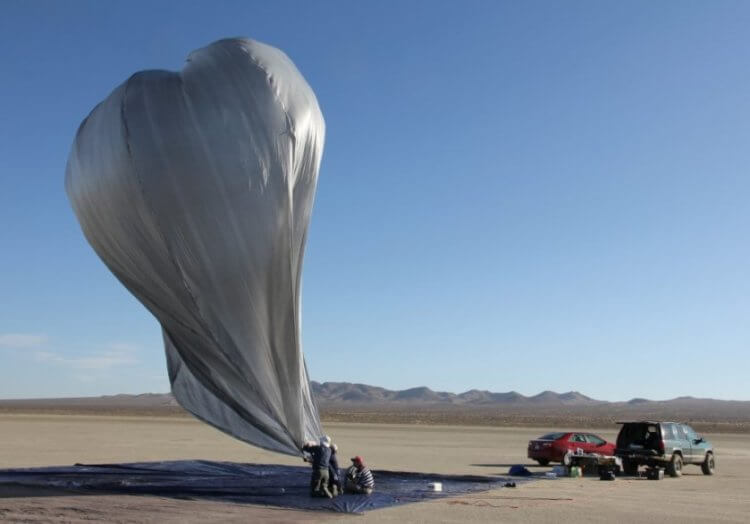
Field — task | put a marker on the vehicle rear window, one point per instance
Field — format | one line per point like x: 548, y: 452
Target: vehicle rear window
x: 551, y: 436
x: 638, y: 434
x: 668, y: 432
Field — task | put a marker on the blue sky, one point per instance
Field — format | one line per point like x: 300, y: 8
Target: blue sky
x: 513, y: 195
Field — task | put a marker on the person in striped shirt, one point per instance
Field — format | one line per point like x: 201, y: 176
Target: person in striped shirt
x: 359, y: 479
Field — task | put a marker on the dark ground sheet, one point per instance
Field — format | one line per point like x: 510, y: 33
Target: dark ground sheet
x: 265, y: 484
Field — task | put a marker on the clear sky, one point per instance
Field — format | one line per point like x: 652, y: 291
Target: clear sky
x: 513, y: 196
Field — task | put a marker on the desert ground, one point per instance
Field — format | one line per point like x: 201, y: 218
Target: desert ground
x: 38, y: 439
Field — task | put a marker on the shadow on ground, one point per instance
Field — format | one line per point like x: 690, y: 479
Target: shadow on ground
x: 509, y: 465
x: 265, y: 484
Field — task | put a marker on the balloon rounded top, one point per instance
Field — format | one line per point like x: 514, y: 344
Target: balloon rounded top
x: 195, y: 188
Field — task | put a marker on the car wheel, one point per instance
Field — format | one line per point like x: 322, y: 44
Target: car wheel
x: 709, y: 464
x: 674, y: 468
x: 566, y: 458
x: 630, y: 468
x: 543, y: 462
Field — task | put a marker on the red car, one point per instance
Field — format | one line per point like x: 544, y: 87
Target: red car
x: 554, y: 446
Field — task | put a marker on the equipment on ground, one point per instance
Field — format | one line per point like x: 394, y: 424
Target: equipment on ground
x: 655, y: 473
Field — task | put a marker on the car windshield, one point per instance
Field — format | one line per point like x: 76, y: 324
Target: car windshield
x: 551, y: 436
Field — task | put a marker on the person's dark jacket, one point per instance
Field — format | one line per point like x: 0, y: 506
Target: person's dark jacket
x: 333, y: 469
x: 321, y: 455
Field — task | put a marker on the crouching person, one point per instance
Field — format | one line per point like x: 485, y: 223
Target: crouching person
x: 320, y: 456
x: 359, y: 478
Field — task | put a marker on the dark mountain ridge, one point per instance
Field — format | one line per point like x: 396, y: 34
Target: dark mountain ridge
x: 346, y: 393
x: 350, y: 393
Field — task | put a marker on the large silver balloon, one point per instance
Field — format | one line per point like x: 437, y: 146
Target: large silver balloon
x: 195, y: 188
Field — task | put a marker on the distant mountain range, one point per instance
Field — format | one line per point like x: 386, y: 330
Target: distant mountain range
x: 346, y: 402
x: 348, y: 393
x: 362, y: 394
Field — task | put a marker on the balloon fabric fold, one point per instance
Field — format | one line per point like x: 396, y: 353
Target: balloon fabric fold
x: 195, y: 188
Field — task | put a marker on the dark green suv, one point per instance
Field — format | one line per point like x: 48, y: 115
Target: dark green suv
x: 667, y: 445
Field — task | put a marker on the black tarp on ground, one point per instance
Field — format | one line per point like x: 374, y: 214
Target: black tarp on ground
x: 265, y: 484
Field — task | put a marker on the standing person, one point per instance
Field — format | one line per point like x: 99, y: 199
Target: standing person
x: 359, y: 479
x: 334, y: 484
x: 320, y: 457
